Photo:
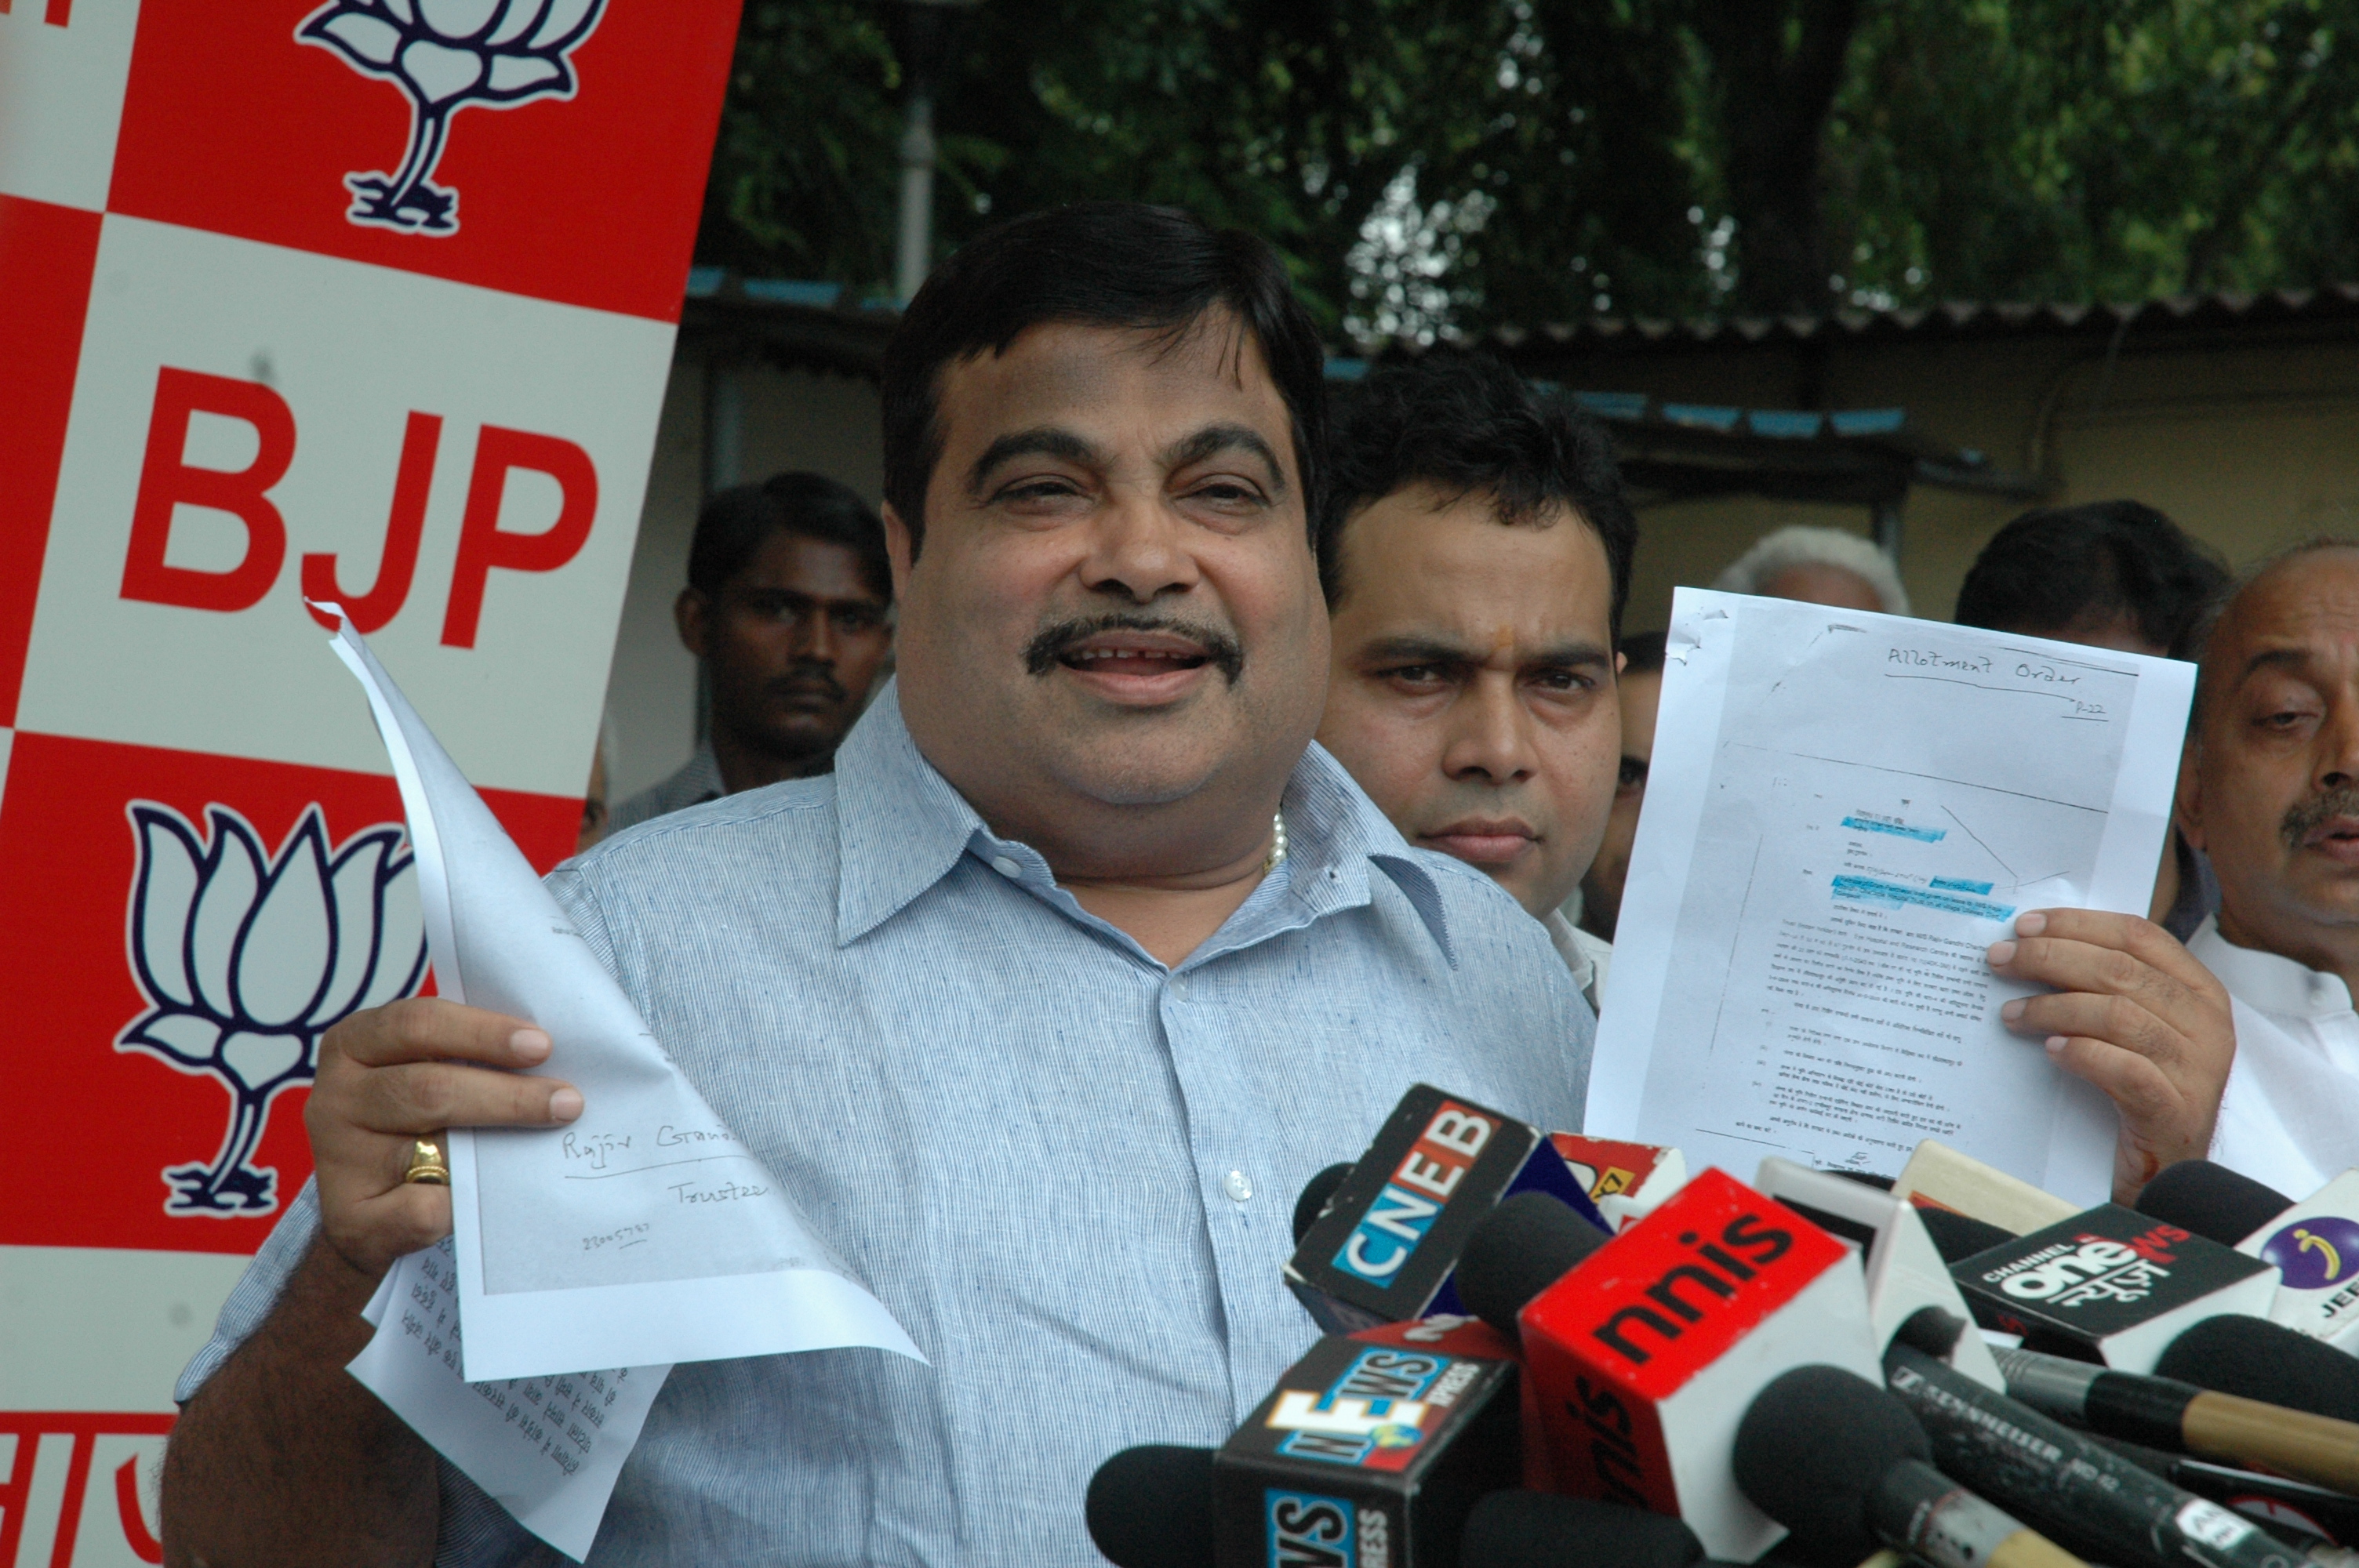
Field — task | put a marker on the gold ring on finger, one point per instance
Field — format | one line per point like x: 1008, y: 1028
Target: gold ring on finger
x: 425, y: 1166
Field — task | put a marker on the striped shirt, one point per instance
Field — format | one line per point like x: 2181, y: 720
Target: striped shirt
x: 1066, y: 1168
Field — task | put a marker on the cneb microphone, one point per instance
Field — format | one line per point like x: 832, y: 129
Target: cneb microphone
x: 1382, y: 1248
x: 1642, y: 1360
x: 2183, y: 1419
x: 2086, y: 1497
x: 1842, y: 1465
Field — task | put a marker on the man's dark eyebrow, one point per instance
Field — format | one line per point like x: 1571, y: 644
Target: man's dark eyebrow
x: 1213, y: 439
x: 2275, y: 658
x: 1570, y: 656
x: 1413, y: 649
x: 1046, y: 440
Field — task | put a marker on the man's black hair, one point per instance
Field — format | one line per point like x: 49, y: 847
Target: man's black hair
x: 2060, y: 567
x: 1099, y: 264
x: 1643, y: 655
x: 736, y: 521
x: 1466, y: 423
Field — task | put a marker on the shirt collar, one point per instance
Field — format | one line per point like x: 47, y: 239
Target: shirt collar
x: 2269, y: 981
x: 902, y: 827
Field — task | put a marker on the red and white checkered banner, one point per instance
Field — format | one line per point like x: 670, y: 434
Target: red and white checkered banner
x: 372, y: 300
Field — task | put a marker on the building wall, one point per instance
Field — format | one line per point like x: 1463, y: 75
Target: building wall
x: 793, y: 420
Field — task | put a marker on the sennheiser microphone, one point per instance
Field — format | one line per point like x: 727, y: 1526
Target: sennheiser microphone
x: 1843, y: 1466
x: 1641, y: 1360
x: 2181, y: 1418
x: 2313, y: 1243
x: 2261, y: 1360
x: 1383, y: 1248
x: 2081, y: 1494
x: 1317, y: 1194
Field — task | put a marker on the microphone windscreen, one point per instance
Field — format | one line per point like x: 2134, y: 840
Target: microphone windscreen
x: 1520, y: 1250
x: 1958, y: 1237
x: 2214, y: 1202
x: 1151, y: 1506
x: 1810, y: 1450
x: 2256, y: 1359
x: 1317, y: 1194
x: 1541, y: 1530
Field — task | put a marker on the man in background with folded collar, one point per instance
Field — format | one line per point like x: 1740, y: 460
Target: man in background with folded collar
x: 1042, y: 1007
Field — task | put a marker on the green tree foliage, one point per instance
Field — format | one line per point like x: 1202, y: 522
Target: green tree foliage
x: 1431, y: 164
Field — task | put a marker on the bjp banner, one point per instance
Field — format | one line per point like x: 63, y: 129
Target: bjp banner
x: 369, y: 300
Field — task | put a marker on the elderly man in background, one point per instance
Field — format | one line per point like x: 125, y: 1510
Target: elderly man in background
x: 1818, y: 566
x: 1476, y: 555
x: 2269, y: 790
x: 787, y: 611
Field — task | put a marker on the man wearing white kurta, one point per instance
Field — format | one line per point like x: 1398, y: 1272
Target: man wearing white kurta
x: 2270, y: 789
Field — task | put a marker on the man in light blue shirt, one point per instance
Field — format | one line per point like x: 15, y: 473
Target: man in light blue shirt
x: 1042, y: 1008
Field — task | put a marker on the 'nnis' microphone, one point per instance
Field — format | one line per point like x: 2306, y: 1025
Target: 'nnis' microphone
x: 2079, y: 1493
x: 2183, y: 1419
x: 1842, y: 1465
x: 1643, y: 1359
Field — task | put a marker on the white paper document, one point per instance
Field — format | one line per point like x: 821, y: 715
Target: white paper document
x: 1844, y: 810
x: 644, y: 1233
x: 548, y: 1449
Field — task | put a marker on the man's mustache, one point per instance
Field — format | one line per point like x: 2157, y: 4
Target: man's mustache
x: 804, y: 679
x: 2307, y: 816
x: 1046, y: 650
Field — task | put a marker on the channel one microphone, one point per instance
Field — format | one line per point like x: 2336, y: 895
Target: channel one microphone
x: 2179, y: 1418
x: 2314, y: 1243
x: 1385, y: 1246
x: 1642, y: 1359
x: 2113, y: 1282
x: 2081, y: 1494
x: 1844, y: 1468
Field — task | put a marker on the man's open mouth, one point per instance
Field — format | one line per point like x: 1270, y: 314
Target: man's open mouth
x: 1133, y: 648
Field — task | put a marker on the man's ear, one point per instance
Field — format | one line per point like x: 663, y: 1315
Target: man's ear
x: 901, y: 549
x: 688, y: 615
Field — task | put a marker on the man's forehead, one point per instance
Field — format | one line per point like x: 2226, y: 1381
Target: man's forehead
x: 2307, y: 607
x: 1457, y: 569
x: 1081, y: 375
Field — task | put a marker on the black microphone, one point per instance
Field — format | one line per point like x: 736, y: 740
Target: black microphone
x: 2294, y: 1511
x: 2088, y: 1498
x: 1524, y: 1245
x: 1843, y: 1466
x: 1958, y: 1237
x: 1541, y: 1530
x: 1151, y: 1506
x: 2256, y: 1359
x: 2214, y: 1202
x: 1317, y: 1194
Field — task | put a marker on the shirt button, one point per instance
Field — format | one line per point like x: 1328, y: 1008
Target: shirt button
x: 1177, y: 988
x: 1007, y: 867
x: 1236, y: 1186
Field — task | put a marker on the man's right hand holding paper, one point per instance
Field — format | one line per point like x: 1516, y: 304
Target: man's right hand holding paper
x: 392, y: 1076
x: 242, y: 1485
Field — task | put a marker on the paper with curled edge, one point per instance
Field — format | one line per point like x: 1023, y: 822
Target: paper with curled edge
x: 644, y: 1233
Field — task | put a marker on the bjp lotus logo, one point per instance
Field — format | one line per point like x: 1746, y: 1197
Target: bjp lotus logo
x: 247, y: 958
x: 446, y: 54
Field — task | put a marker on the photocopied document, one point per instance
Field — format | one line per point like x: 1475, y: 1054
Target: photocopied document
x: 641, y: 1235
x: 548, y: 1449
x: 1843, y: 811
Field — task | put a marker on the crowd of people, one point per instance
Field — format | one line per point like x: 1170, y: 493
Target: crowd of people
x: 1010, y: 914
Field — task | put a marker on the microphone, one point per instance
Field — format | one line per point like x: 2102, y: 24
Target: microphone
x: 1382, y: 1249
x: 1641, y: 1360
x: 1541, y: 1530
x: 2314, y: 1243
x: 2113, y: 1282
x: 2089, y: 1499
x: 1627, y: 1181
x: 1842, y: 1465
x: 2257, y: 1359
x: 1939, y: 1176
x: 2294, y: 1511
x: 2183, y: 1419
x: 1958, y: 1237
x: 1317, y: 1194
x: 1151, y: 1506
